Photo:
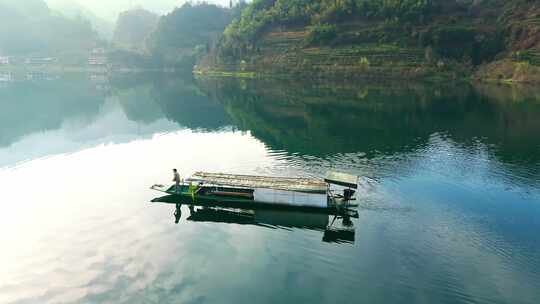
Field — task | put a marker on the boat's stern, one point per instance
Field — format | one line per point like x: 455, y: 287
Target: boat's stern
x: 341, y: 189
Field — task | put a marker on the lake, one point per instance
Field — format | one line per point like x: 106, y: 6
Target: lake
x: 449, y: 197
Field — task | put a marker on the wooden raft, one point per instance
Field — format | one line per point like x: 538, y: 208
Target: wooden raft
x: 250, y: 181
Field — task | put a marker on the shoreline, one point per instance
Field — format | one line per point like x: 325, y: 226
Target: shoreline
x: 77, y: 69
x: 475, y: 77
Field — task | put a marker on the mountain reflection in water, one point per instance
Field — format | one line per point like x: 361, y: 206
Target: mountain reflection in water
x: 385, y: 117
x: 308, y: 119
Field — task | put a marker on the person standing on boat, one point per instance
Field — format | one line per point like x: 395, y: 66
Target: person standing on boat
x: 176, y: 181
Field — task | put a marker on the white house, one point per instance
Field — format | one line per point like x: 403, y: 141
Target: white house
x: 40, y: 61
x: 98, y: 51
x: 97, y: 60
x: 6, y: 77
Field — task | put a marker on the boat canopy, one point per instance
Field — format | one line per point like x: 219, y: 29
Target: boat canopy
x: 342, y: 179
x: 250, y: 181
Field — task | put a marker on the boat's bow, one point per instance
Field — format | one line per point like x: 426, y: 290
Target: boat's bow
x: 160, y: 188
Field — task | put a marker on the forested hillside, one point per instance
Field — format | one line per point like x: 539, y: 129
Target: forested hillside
x: 186, y: 34
x: 133, y: 27
x: 384, y: 38
x: 30, y: 28
x: 176, y: 40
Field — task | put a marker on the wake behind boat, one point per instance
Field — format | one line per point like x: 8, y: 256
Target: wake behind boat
x: 334, y: 191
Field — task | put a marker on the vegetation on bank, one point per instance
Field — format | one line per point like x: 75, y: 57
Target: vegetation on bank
x: 497, y: 40
x: 430, y: 37
x: 186, y: 34
x: 132, y: 29
x: 260, y: 15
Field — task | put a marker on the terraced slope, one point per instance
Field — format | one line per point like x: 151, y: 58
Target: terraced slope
x: 485, y: 40
x: 285, y: 53
x: 521, y: 62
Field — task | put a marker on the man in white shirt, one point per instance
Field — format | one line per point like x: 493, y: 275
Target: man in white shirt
x: 176, y: 181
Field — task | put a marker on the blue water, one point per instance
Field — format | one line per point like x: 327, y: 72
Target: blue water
x: 449, y: 197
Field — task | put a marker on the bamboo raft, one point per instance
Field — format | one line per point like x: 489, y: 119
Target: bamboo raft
x: 309, y: 185
x: 246, y: 190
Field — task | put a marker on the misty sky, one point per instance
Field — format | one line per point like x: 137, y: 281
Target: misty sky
x: 109, y: 9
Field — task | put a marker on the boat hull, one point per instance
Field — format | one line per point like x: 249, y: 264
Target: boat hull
x: 248, y: 197
x: 291, y: 198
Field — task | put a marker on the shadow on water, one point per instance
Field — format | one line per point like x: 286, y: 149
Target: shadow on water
x: 337, y: 227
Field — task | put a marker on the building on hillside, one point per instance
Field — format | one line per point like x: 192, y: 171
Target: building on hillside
x: 6, y: 77
x: 40, y: 61
x: 4, y: 60
x: 101, y: 81
x: 97, y: 60
x: 98, y: 51
x: 99, y: 78
x: 98, y: 57
x: 36, y: 76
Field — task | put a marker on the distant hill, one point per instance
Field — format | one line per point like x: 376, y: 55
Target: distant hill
x: 189, y: 32
x: 436, y: 39
x: 133, y: 28
x: 110, y: 9
x: 25, y: 8
x: 30, y: 28
x: 73, y: 10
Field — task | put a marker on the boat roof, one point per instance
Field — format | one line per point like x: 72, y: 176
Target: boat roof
x: 268, y: 182
x: 342, y: 179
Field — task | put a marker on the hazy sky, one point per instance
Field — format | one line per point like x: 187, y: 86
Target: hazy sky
x: 109, y: 9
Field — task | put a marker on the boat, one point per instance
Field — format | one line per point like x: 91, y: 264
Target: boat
x: 334, y: 191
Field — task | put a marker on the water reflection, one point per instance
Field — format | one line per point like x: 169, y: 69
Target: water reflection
x: 448, y: 211
x: 317, y: 119
x: 38, y: 106
x: 337, y: 227
x: 72, y: 112
x: 323, y: 119
x: 175, y: 97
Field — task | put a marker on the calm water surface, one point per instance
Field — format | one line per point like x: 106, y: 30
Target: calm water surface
x: 449, y: 204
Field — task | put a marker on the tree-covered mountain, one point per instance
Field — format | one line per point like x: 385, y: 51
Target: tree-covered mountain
x: 189, y: 31
x: 383, y: 38
x: 134, y: 27
x: 30, y: 28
